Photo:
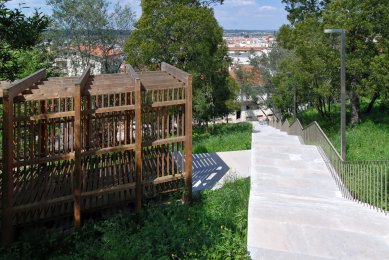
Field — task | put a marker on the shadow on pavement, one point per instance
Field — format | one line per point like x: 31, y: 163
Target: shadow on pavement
x: 208, y: 169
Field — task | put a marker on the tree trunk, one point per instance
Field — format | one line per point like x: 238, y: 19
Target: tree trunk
x: 355, y: 108
x: 320, y: 108
x: 372, y: 101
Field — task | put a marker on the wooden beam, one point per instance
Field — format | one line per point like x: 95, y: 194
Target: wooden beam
x: 68, y: 156
x: 24, y: 84
x: 77, y: 173
x: 167, y: 141
x: 7, y: 231
x: 43, y: 131
x: 103, y: 110
x: 83, y: 80
x: 49, y: 116
x: 169, y: 103
x: 175, y: 72
x: 132, y: 72
x: 138, y: 142
x: 188, y: 141
x: 120, y: 148
x: 172, y: 84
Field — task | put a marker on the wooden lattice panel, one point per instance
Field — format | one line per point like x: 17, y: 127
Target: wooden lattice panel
x: 83, y: 143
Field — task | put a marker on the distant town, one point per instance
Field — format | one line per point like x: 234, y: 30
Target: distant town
x: 242, y: 45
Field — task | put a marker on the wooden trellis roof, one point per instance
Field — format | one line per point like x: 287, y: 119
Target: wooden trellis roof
x: 92, y: 141
x: 62, y: 87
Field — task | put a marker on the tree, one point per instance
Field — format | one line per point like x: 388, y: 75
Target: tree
x: 18, y: 34
x: 269, y: 65
x: 365, y: 22
x: 188, y: 36
x: 85, y: 25
x: 35, y: 59
x: 309, y: 68
x: 300, y: 9
x: 317, y: 59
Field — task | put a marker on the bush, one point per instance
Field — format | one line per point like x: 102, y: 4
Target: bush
x: 222, y: 138
x: 213, y: 227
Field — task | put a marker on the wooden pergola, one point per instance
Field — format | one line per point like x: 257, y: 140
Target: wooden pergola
x: 75, y: 144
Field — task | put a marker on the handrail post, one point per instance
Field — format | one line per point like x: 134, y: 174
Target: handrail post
x: 138, y: 144
x: 77, y: 173
x: 188, y: 140
x: 7, y: 176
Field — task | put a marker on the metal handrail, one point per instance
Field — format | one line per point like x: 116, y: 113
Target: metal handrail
x: 363, y: 181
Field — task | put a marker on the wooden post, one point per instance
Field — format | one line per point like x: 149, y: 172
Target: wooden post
x: 187, y: 78
x: 8, y: 158
x: 43, y: 131
x: 77, y: 173
x: 188, y: 140
x: 77, y: 162
x: 138, y: 137
x: 138, y: 143
x: 7, y: 234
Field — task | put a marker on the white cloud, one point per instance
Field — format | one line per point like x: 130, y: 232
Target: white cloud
x: 267, y: 8
x: 26, y: 3
x: 247, y: 14
x: 240, y: 2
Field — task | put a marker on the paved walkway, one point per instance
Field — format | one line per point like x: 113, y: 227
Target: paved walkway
x: 212, y: 170
x: 296, y: 210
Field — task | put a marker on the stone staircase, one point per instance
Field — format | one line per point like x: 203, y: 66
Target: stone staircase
x: 296, y: 210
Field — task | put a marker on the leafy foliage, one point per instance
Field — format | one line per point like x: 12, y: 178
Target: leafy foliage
x: 299, y: 9
x: 85, y: 25
x: 312, y: 70
x: 213, y: 227
x: 18, y: 34
x: 188, y: 36
x: 365, y: 141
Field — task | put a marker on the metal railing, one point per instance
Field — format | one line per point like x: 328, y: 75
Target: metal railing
x: 363, y: 181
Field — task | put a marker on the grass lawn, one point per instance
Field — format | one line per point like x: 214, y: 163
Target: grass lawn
x: 368, y: 140
x: 213, y: 227
x: 222, y: 138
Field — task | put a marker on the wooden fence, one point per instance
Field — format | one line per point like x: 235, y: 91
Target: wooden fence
x: 77, y: 144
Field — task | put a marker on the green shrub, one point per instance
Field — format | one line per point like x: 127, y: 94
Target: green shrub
x: 222, y: 138
x: 368, y: 140
x: 214, y: 226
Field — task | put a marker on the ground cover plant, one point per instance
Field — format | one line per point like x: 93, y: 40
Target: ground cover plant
x: 214, y: 226
x: 368, y: 140
x: 222, y: 138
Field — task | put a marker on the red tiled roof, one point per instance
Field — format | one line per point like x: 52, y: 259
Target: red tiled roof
x: 99, y: 51
x: 254, y: 77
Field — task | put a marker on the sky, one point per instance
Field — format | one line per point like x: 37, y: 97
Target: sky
x: 233, y: 14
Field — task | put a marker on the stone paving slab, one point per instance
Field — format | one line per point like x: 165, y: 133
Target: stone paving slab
x: 296, y: 210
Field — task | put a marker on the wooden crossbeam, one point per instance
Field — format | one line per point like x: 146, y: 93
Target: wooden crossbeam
x: 175, y: 72
x: 20, y: 86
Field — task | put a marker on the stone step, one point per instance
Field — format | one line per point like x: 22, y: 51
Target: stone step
x: 271, y: 141
x: 296, y: 210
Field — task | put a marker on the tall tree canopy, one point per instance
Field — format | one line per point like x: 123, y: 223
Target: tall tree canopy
x: 188, y: 36
x: 86, y: 24
x: 18, y: 33
x: 367, y: 46
x: 299, y: 9
x: 316, y: 60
